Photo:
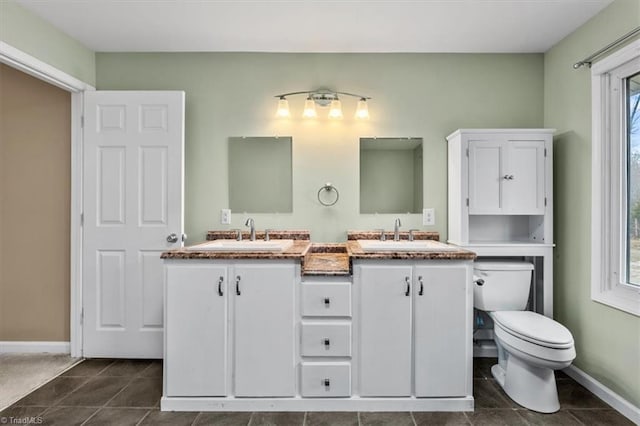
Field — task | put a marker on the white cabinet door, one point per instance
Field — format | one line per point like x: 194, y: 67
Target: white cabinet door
x: 524, y: 190
x: 506, y: 176
x: 385, y: 330
x: 196, y: 330
x: 264, y: 329
x: 441, y: 330
x: 486, y: 159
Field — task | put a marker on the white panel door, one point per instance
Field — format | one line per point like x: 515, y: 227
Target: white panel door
x: 385, y: 330
x: 264, y: 300
x: 524, y: 191
x: 133, y: 173
x: 442, y: 317
x: 485, y: 176
x: 196, y: 345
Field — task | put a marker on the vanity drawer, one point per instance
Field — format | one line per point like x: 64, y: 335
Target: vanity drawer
x: 326, y: 339
x: 326, y: 299
x: 330, y: 379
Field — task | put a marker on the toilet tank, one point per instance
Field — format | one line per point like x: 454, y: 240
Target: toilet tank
x: 506, y: 285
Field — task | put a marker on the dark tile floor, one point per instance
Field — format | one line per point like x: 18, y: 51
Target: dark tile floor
x: 127, y: 392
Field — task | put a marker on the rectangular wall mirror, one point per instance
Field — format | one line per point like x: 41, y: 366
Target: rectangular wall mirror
x: 260, y: 175
x: 391, y: 175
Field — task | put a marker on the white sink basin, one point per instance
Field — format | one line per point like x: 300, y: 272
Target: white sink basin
x: 245, y: 245
x: 405, y: 245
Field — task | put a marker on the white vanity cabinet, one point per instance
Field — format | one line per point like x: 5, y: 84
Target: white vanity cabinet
x: 196, y: 331
x: 230, y: 322
x: 258, y: 335
x: 326, y: 338
x: 264, y: 301
x: 415, y: 328
x: 385, y: 329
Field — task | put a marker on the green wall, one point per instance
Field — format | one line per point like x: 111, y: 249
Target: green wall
x: 417, y: 95
x: 607, y: 340
x: 26, y: 31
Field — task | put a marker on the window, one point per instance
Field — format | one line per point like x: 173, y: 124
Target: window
x: 615, y: 273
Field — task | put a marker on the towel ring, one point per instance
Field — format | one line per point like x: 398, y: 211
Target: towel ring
x: 328, y: 187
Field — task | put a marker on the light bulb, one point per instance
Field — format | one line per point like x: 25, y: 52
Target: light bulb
x: 283, y: 108
x: 335, y: 110
x: 309, y: 108
x: 362, y: 111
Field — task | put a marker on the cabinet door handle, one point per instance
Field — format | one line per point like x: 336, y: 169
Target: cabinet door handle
x: 421, y: 291
x: 508, y: 177
x: 327, y: 302
x: 220, y: 281
x: 238, y: 285
x: 326, y: 343
x: 408, y: 281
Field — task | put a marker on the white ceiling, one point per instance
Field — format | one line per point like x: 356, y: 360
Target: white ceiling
x: 317, y: 25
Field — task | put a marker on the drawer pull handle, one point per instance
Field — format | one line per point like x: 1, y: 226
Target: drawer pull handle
x: 421, y: 291
x: 327, y: 302
x: 326, y: 383
x: 220, y: 281
x: 326, y: 343
x: 238, y: 285
x: 408, y: 292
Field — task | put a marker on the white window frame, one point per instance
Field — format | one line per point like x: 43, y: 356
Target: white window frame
x: 608, y: 182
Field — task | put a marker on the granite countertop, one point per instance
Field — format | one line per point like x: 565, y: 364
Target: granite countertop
x: 297, y: 251
x: 327, y: 260
x: 356, y: 252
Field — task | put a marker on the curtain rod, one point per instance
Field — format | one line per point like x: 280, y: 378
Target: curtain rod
x: 589, y: 59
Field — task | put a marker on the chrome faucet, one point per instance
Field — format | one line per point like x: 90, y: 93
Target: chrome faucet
x: 396, y: 229
x: 252, y: 226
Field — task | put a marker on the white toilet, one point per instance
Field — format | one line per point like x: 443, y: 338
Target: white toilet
x: 530, y: 346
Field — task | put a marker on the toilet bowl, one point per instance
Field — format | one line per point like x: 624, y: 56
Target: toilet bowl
x: 530, y: 346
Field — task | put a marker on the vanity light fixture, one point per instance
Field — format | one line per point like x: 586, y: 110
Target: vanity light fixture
x: 283, y: 108
x: 323, y: 98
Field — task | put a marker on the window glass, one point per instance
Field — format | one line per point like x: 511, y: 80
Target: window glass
x: 633, y: 178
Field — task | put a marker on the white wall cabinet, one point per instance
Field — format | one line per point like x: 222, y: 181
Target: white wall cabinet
x: 500, y: 189
x: 500, y: 186
x: 221, y: 312
x: 415, y: 328
x: 506, y: 175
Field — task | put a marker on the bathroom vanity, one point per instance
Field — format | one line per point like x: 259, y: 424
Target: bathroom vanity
x: 342, y: 327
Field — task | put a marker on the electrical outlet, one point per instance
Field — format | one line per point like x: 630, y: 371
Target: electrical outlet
x: 428, y: 216
x: 225, y: 216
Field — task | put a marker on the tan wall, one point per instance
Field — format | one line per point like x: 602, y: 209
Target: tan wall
x: 35, y: 169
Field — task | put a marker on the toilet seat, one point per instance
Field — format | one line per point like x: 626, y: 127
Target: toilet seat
x: 534, y: 328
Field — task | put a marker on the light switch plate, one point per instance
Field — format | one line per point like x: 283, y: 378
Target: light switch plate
x: 225, y: 216
x: 428, y: 216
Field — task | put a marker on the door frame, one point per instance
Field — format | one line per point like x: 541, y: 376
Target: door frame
x: 33, y: 66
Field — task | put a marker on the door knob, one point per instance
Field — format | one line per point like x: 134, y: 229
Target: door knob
x: 172, y: 238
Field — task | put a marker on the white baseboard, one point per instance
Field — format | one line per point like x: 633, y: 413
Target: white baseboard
x: 617, y: 402
x: 35, y: 347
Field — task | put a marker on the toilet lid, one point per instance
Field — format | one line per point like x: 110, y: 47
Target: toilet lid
x: 534, y: 328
